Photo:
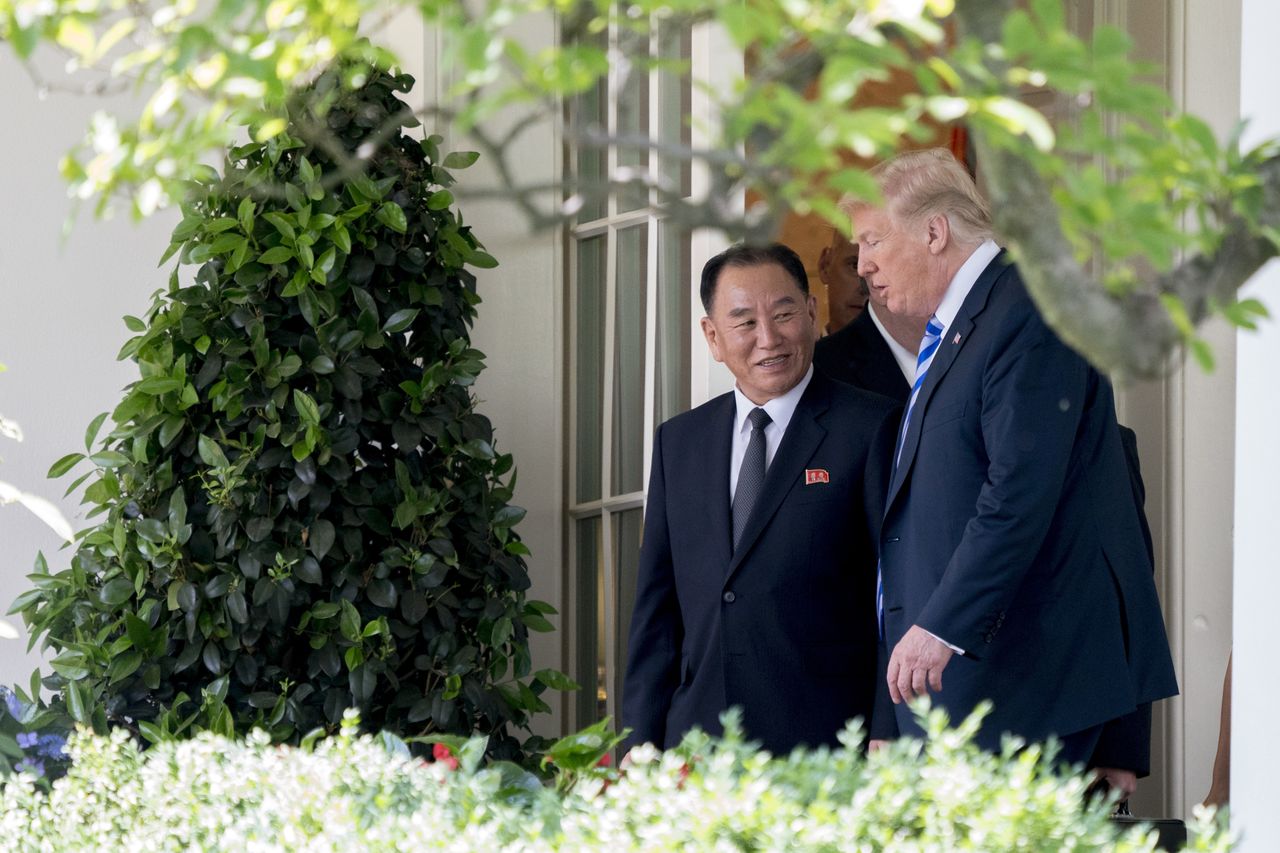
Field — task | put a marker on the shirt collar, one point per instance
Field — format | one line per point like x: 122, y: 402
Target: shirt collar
x: 780, y: 409
x: 906, y: 358
x: 963, y: 282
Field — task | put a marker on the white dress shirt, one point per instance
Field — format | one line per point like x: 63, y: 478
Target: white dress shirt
x: 906, y: 358
x: 780, y: 410
x: 963, y: 281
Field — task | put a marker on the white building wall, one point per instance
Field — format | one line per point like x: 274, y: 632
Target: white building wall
x: 1255, y: 753
x: 61, y: 300
x: 1193, y: 516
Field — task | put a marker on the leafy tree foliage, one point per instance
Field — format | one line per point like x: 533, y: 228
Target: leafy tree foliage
x: 298, y: 508
x: 1097, y: 212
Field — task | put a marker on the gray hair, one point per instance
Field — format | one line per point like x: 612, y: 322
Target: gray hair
x: 921, y: 184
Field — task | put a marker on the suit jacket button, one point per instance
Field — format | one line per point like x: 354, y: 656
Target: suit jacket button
x: 729, y: 597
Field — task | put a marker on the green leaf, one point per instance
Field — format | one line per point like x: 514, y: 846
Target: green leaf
x: 1019, y: 118
x: 306, y: 407
x: 382, y: 592
x: 77, y: 704
x: 124, y: 665
x: 91, y: 432
x: 276, y: 255
x: 211, y: 454
x: 109, y: 459
x: 537, y: 622
x: 342, y: 239
x: 158, y: 385
x: 400, y: 320
x: 392, y: 215
x: 483, y: 260
x: 116, y: 591
x: 64, y: 465
x: 281, y: 224
x: 440, y: 200
x: 321, y: 538
x: 349, y: 623
x: 461, y: 159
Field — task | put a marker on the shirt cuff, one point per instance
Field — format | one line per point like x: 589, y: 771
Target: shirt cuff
x: 955, y: 649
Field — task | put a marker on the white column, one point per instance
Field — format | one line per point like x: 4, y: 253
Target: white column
x: 1255, y: 753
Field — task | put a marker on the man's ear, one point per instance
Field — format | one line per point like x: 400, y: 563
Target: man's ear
x: 713, y: 340
x: 939, y: 233
x: 824, y: 262
x: 812, y: 305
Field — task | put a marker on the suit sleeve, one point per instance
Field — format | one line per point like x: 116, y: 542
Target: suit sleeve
x: 1032, y: 399
x: 1125, y: 743
x: 653, y: 656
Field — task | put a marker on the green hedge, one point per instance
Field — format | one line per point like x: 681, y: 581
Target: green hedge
x: 352, y: 792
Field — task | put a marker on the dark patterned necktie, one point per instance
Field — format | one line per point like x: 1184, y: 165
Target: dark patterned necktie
x: 750, y: 475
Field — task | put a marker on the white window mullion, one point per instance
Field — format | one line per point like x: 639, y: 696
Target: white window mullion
x: 606, y: 467
x: 650, y: 346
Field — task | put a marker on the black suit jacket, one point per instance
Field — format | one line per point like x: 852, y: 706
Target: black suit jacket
x: 1011, y: 530
x: 785, y: 626
x: 858, y: 355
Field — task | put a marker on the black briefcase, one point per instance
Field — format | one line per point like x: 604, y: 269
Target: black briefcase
x: 1172, y: 833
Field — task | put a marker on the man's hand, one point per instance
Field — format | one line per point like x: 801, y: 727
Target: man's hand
x: 916, y: 665
x: 1124, y: 781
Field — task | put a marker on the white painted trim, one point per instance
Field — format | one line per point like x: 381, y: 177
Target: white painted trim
x: 1255, y: 752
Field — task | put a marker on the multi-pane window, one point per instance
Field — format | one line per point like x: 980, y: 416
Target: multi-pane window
x: 629, y: 297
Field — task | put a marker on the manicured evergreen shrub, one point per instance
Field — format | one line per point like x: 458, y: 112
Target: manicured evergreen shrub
x: 298, y: 509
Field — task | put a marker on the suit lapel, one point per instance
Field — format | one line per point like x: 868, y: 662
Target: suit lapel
x: 801, y: 439
x: 954, y: 337
x: 716, y: 456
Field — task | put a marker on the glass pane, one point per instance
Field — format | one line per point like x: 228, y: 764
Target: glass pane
x: 590, y: 117
x: 672, y: 374
x: 627, y: 527
x: 675, y: 103
x: 633, y: 111
x: 591, y: 699
x: 628, y: 360
x: 590, y: 367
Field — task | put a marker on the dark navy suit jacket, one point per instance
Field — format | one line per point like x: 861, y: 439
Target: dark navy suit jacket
x: 785, y: 626
x: 858, y: 355
x: 1011, y: 530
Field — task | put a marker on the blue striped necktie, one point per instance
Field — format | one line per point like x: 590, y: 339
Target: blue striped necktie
x: 928, y: 346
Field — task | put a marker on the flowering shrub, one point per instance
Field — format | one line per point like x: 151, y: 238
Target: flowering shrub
x: 32, y: 739
x: 353, y: 792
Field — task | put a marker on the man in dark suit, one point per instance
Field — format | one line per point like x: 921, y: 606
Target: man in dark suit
x: 759, y: 543
x: 1013, y: 563
x: 876, y: 351
x: 846, y: 291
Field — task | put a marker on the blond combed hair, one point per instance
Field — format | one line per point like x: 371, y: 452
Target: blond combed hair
x: 920, y: 184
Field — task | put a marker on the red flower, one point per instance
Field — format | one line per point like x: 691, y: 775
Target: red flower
x: 606, y: 760
x: 444, y: 755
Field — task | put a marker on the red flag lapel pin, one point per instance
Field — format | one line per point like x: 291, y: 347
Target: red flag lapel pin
x: 816, y: 475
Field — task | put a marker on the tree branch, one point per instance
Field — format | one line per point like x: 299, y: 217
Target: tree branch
x: 1128, y: 335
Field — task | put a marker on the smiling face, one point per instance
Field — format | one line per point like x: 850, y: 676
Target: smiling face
x: 762, y: 326
x: 905, y: 265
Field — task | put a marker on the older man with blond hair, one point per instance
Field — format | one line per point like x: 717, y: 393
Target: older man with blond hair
x: 1012, y: 563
